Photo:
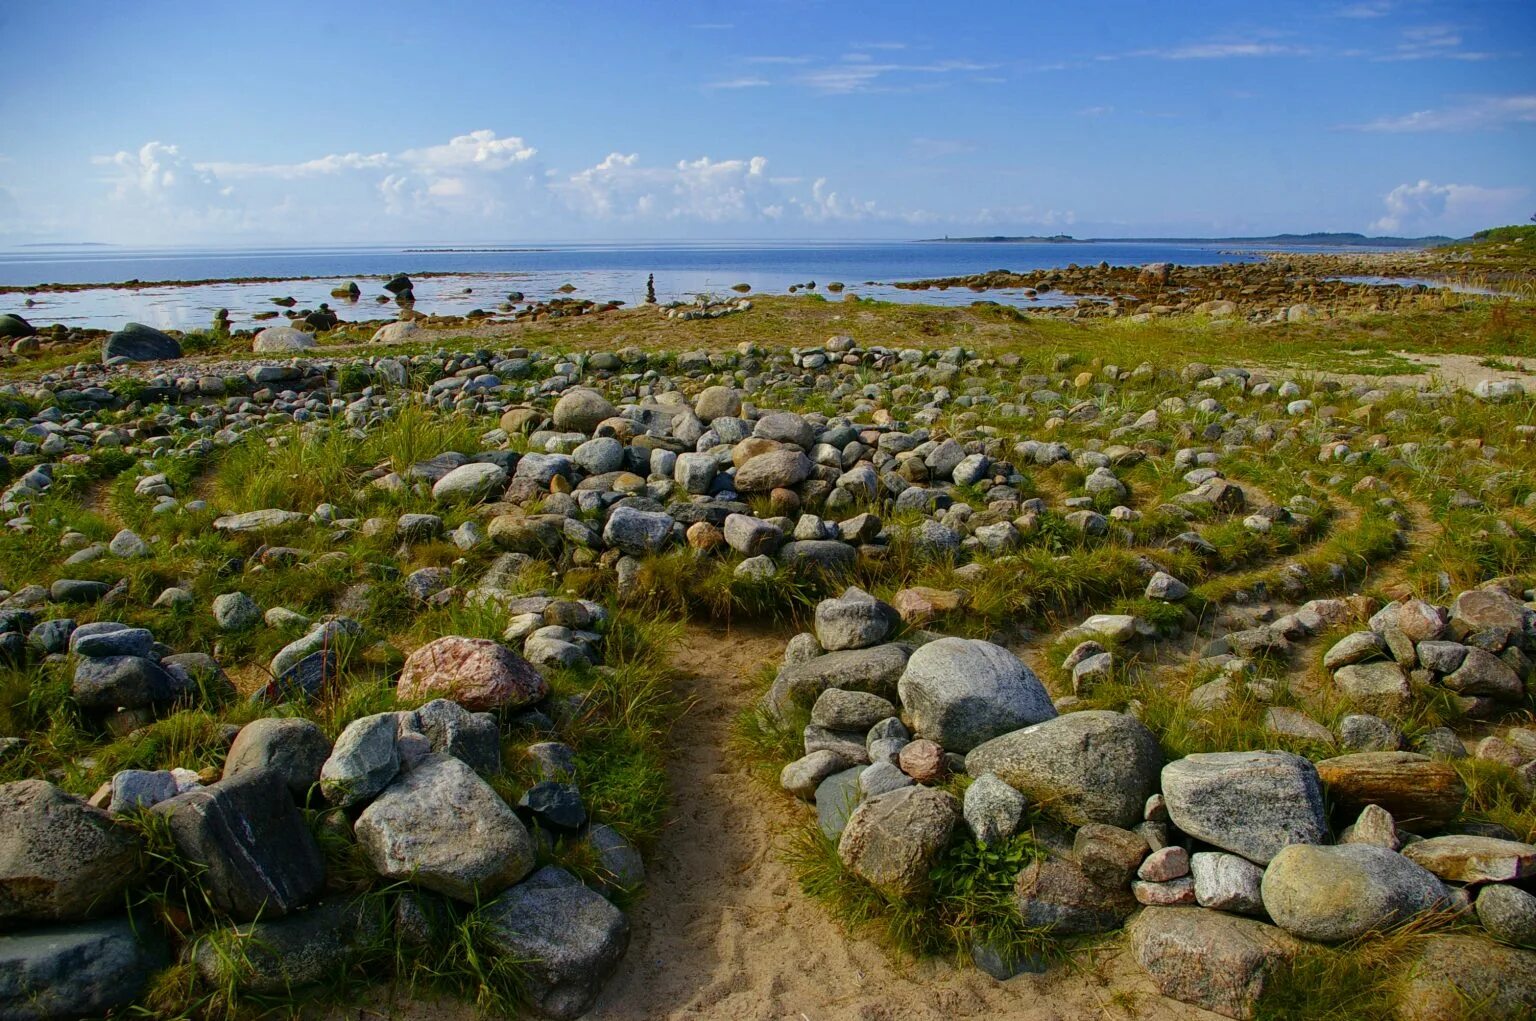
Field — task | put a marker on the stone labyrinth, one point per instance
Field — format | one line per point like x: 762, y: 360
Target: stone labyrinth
x: 342, y: 677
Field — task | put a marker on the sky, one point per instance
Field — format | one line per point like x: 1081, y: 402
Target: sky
x: 219, y: 122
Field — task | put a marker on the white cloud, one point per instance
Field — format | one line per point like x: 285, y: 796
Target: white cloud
x: 940, y: 148
x: 1425, y: 207
x: 160, y: 189
x: 1221, y: 51
x: 1366, y: 10
x: 739, y: 83
x: 864, y: 75
x: 1479, y: 113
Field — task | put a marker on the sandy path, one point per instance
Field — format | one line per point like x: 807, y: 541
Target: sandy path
x: 724, y: 931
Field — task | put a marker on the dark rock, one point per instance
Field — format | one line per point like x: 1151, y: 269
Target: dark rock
x: 138, y: 343
x: 74, y: 971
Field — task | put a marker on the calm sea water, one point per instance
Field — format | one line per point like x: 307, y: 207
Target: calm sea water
x: 484, y: 274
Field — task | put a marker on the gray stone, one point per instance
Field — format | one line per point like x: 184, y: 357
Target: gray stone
x: 1382, y: 681
x: 992, y: 809
x: 363, y: 761
x: 1249, y: 803
x: 469, y: 483
x: 1332, y: 894
x: 141, y: 788
x: 836, y: 798
x: 1354, y: 648
x: 294, y: 748
x: 270, y: 957
x: 581, y: 409
x: 258, y: 521
x: 82, y: 970
x: 60, y: 859
x: 282, y: 340
x: 236, y: 611
x: 750, y: 536
x: 444, y: 828
x: 571, y: 936
x: 1227, y: 882
x: 619, y: 863
x: 636, y: 532
x: 121, y: 682
x: 1361, y: 732
x: 854, y: 620
x: 837, y: 709
x: 136, y: 342
x: 258, y: 855
x: 873, y: 670
x: 962, y: 692
x: 1061, y: 897
x: 1088, y: 766
x: 1508, y: 913
x: 1483, y: 673
x: 804, y: 776
x: 473, y: 738
x: 1457, y: 977
x: 1469, y: 858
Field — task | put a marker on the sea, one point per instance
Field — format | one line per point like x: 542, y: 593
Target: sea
x: 482, y: 276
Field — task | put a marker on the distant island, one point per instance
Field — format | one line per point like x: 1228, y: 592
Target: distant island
x: 1278, y: 240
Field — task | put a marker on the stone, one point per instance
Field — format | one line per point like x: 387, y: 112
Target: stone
x: 60, y: 858
x: 258, y: 855
x: 258, y: 521
x: 271, y: 957
x: 141, y: 788
x: 751, y: 536
x: 882, y: 778
x: 236, y: 611
x: 1483, y: 673
x: 1208, y: 959
x: 472, y: 738
x: 1171, y: 893
x: 1108, y: 854
x: 442, y: 827
x: 1227, y: 882
x: 469, y: 483
x: 86, y: 969
x: 1488, y: 609
x: 636, y: 532
x: 121, y: 682
x: 1380, y: 682
x: 1166, y: 588
x: 891, y: 840
x: 803, y: 776
x: 1508, y: 913
x: 1059, y: 896
x: 774, y: 469
x: 1374, y: 825
x: 129, y: 546
x: 1465, y: 858
x: 572, y: 938
x: 837, y: 709
x: 1338, y: 893
x: 106, y: 639
x: 1088, y: 766
x: 923, y: 761
x: 854, y: 620
x: 618, y: 862
x: 1249, y: 803
x: 363, y: 761
x: 1416, y: 789
x: 282, y: 340
x: 961, y: 692
x: 992, y: 809
x: 1456, y: 977
x: 1361, y: 732
x: 873, y: 670
x: 717, y: 402
x: 836, y: 798
x: 136, y: 342
x: 1286, y: 722
x: 581, y: 409
x: 477, y: 673
x: 293, y: 748
x: 1164, y: 864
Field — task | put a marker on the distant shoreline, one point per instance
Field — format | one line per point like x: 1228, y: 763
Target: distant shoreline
x: 1273, y: 240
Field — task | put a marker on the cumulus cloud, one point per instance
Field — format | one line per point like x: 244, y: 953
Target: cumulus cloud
x: 473, y: 185
x: 1426, y: 207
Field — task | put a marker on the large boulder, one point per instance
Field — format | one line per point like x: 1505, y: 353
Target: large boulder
x: 581, y: 409
x: 1416, y: 789
x: 292, y: 747
x: 1336, y: 893
x: 1212, y: 960
x: 258, y: 855
x: 88, y: 969
x: 443, y: 827
x: 891, y: 840
x: 961, y: 692
x: 854, y: 620
x: 60, y: 859
x: 269, y: 519
x: 473, y: 738
x: 570, y: 936
x: 138, y: 343
x: 1484, y: 610
x: 477, y: 673
x: 121, y: 682
x: 1088, y: 766
x: 717, y: 402
x: 1249, y: 803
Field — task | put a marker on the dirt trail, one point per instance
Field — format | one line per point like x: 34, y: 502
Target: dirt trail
x: 724, y: 931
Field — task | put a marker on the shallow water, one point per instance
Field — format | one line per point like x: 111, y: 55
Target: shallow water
x: 597, y: 271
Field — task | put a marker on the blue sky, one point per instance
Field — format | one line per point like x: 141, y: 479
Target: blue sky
x: 166, y: 122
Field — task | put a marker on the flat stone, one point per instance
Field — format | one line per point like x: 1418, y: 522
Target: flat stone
x: 1452, y: 971
x: 1416, y: 789
x: 1250, y: 803
x: 891, y: 840
x: 60, y: 859
x: 1462, y: 858
x: 84, y: 969
x: 1333, y: 894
